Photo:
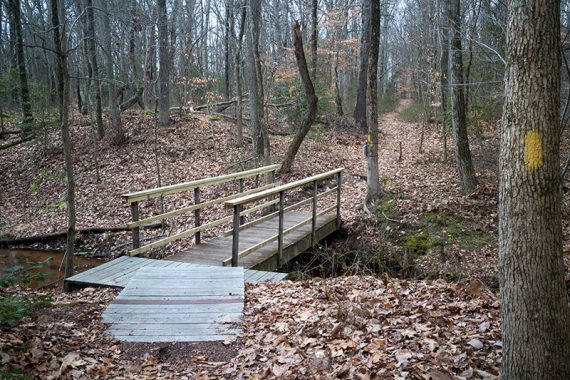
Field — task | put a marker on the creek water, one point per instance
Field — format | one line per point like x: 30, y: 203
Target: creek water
x: 49, y: 264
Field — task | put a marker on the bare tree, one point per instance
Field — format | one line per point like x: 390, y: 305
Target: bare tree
x: 163, y: 74
x: 114, y: 111
x: 374, y: 191
x: 255, y: 84
x: 464, y: 163
x: 19, y: 60
x: 57, y: 17
x: 92, y: 52
x: 312, y: 100
x: 360, y: 108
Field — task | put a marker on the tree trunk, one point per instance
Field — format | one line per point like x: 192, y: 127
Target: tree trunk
x: 312, y: 100
x: 259, y: 131
x: 314, y: 39
x: 229, y: 15
x: 463, y: 161
x: 360, y: 108
x: 57, y: 14
x: 163, y: 100
x: 115, y: 112
x: 92, y: 49
x: 534, y: 305
x: 149, y: 64
x: 239, y: 106
x: 19, y: 59
x: 374, y: 192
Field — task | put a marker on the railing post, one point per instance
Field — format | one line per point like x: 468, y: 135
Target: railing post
x: 235, y: 241
x: 338, y: 183
x: 136, y: 230
x: 280, y: 237
x: 240, y: 189
x: 314, y: 220
x: 197, y: 222
x: 272, y: 180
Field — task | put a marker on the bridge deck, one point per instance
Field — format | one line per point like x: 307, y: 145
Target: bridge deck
x: 178, y: 304
x: 215, y: 251
x: 118, y: 272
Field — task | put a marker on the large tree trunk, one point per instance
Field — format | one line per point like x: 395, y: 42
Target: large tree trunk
x: 255, y: 84
x: 57, y: 14
x: 312, y: 100
x: 534, y: 304
x: 163, y: 75
x: 464, y: 164
x: 360, y: 108
x: 92, y: 51
x: 115, y: 112
x: 15, y: 19
x: 374, y: 192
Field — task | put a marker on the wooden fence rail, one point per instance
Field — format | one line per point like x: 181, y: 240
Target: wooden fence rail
x: 133, y: 200
x: 237, y: 204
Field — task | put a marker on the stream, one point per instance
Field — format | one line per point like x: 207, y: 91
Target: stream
x: 49, y: 263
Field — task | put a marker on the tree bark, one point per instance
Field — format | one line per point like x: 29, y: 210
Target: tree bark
x: 312, y: 101
x: 92, y: 51
x: 255, y: 84
x: 149, y: 64
x: 314, y: 39
x: 115, y: 112
x: 229, y: 16
x: 163, y: 74
x: 374, y: 191
x: 57, y: 14
x: 15, y: 19
x: 534, y: 305
x: 360, y: 108
x: 239, y: 106
x: 463, y: 161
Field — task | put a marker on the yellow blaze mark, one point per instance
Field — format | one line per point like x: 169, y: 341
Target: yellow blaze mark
x: 532, y: 150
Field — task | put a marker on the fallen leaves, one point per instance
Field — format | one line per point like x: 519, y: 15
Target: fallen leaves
x: 346, y: 327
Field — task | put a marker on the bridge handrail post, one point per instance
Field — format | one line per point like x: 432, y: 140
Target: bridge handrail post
x: 338, y: 183
x: 314, y: 216
x: 240, y: 189
x: 280, y: 233
x: 197, y: 222
x: 235, y: 235
x: 136, y: 230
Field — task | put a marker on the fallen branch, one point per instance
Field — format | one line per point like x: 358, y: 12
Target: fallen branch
x: 135, y: 99
x: 14, y: 143
x: 62, y: 235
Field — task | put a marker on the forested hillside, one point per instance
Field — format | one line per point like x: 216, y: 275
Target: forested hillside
x: 449, y: 118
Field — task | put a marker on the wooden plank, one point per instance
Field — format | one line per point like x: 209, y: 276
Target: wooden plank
x: 189, y: 303
x: 174, y: 338
x: 171, y: 189
x: 276, y: 190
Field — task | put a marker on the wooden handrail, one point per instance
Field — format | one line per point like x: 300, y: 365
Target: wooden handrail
x: 184, y: 210
x: 276, y: 190
x: 238, y: 203
x: 172, y: 189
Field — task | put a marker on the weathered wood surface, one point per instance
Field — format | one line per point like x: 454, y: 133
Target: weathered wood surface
x: 218, y: 250
x: 118, y: 272
x: 178, y: 304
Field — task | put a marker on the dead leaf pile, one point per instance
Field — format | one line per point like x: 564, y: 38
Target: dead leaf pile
x: 346, y: 327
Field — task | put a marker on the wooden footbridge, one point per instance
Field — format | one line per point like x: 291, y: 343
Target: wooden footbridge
x: 194, y: 295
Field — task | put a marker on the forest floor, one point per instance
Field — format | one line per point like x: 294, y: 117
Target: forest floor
x: 439, y: 322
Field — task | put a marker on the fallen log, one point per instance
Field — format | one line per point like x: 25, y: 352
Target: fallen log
x: 14, y: 143
x: 63, y: 235
x: 135, y: 99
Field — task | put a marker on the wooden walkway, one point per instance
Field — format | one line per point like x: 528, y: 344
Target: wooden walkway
x: 118, y: 272
x: 178, y: 304
x: 218, y: 251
